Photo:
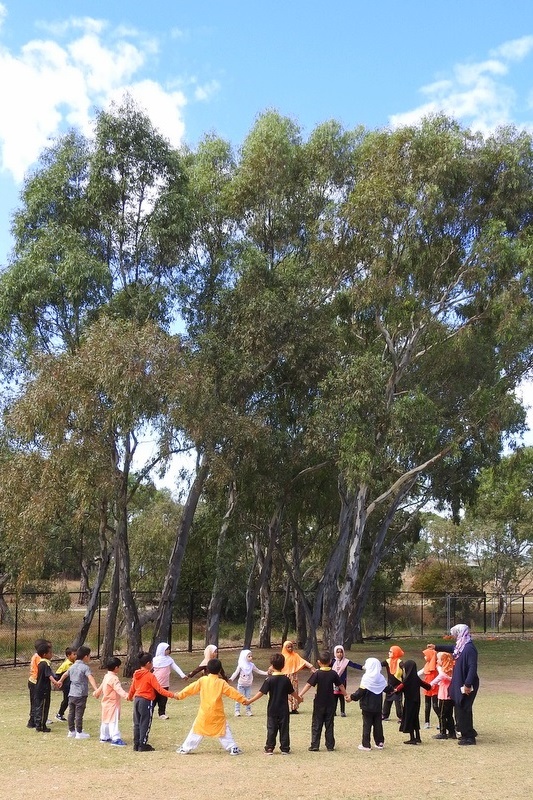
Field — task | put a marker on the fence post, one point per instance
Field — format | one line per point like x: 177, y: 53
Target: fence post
x: 421, y: 613
x: 384, y: 615
x: 484, y: 612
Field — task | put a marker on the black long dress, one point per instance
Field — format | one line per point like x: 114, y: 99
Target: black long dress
x: 411, y: 685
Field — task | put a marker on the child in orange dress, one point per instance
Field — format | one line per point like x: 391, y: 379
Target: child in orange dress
x: 293, y: 664
x: 111, y: 692
x: 211, y: 717
x: 428, y: 672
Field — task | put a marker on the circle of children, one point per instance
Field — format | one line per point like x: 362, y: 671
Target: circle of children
x: 449, y: 680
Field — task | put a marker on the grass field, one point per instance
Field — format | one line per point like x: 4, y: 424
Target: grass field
x: 500, y: 764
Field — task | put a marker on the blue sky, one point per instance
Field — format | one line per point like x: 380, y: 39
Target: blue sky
x: 214, y: 65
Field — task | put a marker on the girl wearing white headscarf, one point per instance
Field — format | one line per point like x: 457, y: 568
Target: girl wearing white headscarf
x: 370, y: 696
x: 163, y: 664
x: 465, y: 681
x: 245, y: 677
x: 340, y: 665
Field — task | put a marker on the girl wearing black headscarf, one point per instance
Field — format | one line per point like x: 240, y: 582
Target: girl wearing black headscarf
x: 410, y: 687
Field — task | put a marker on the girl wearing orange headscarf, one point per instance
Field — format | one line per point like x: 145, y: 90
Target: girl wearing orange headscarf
x: 394, y: 677
x: 293, y: 664
x: 428, y: 673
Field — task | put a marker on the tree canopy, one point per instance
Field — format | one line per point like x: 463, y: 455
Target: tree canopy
x: 336, y: 325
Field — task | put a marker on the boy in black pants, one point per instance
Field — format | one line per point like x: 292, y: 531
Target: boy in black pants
x: 279, y: 688
x: 324, y: 679
x: 43, y: 688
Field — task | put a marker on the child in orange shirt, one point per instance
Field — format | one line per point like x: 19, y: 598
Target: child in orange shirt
x: 143, y: 691
x: 428, y: 673
x: 32, y: 679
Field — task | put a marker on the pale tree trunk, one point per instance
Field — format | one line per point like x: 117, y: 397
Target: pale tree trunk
x: 5, y: 613
x: 221, y: 577
x: 170, y: 586
x: 325, y: 605
x: 84, y: 590
x: 255, y: 586
x: 131, y: 616
x: 361, y: 585
x: 310, y: 644
x: 265, y: 600
x: 110, y: 626
x: 338, y: 626
x: 503, y: 604
x: 103, y: 565
x: 265, y: 618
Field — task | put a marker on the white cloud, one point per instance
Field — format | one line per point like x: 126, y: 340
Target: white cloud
x: 514, y: 50
x: 206, y: 91
x: 479, y: 93
x: 56, y: 82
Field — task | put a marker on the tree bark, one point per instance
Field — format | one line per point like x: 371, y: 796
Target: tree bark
x: 220, y: 583
x: 255, y: 586
x: 103, y: 565
x: 110, y: 627
x: 170, y: 587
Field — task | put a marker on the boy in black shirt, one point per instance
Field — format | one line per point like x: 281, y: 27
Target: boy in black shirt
x: 324, y: 679
x: 279, y: 688
x: 43, y: 688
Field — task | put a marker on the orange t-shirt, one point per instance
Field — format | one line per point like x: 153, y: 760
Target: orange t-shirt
x: 146, y: 685
x: 34, y: 666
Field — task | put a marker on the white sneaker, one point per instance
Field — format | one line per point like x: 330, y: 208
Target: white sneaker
x: 235, y: 751
x: 83, y: 735
x: 237, y: 713
x: 249, y: 714
x: 71, y: 734
x: 164, y: 716
x: 183, y: 752
x: 427, y: 725
x: 362, y: 747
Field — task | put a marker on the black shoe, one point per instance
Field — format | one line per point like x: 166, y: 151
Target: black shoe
x: 294, y: 711
x: 30, y: 724
x: 452, y: 736
x: 411, y: 741
x: 313, y: 749
x: 441, y: 736
x: 462, y: 740
x: 43, y: 730
x: 146, y: 748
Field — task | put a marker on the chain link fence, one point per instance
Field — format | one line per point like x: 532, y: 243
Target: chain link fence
x: 58, y: 616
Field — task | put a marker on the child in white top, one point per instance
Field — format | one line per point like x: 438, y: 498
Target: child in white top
x: 162, y: 665
x: 245, y: 676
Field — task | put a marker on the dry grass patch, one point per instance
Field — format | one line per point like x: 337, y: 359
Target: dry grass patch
x: 499, y: 765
